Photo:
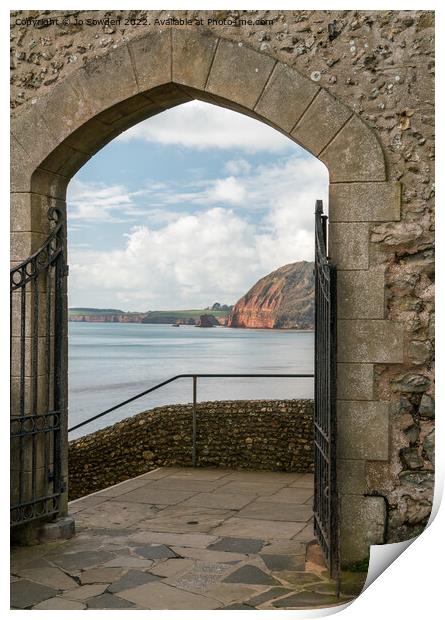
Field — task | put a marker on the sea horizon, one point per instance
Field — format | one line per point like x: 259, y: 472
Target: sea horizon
x: 110, y: 362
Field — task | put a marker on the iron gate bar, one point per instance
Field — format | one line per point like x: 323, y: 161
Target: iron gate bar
x: 326, y: 521
x: 35, y: 425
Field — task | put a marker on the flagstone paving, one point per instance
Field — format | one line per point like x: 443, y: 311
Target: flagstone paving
x: 184, y: 538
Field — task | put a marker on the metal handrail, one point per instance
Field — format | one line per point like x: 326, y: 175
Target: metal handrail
x: 194, y: 377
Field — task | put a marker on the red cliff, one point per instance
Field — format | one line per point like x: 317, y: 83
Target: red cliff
x: 283, y: 299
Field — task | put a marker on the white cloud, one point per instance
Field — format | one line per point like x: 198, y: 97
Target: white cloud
x: 238, y: 166
x: 178, y: 260
x: 228, y: 190
x: 192, y: 261
x: 202, y: 125
x: 93, y: 201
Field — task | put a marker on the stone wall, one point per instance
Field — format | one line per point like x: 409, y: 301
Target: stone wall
x: 337, y: 74
x: 273, y: 435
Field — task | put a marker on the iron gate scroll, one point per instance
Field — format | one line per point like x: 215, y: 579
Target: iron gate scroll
x: 36, y: 311
x: 325, y: 423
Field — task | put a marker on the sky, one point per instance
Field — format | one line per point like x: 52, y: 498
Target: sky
x: 188, y: 208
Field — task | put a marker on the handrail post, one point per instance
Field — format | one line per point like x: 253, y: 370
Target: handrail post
x: 195, y: 382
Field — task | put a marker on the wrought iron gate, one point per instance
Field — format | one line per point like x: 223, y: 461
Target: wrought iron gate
x: 325, y: 494
x: 36, y: 297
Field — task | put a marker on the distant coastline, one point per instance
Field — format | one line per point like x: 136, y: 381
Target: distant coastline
x: 163, y: 317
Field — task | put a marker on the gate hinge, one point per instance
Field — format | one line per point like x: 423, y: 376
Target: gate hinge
x: 63, y: 486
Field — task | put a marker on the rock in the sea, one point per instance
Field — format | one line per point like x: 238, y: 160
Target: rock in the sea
x: 282, y: 299
x: 206, y: 320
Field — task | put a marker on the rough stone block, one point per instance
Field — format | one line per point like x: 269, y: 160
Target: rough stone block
x: 364, y: 202
x: 60, y: 529
x: 65, y: 160
x: 15, y: 356
x: 151, y: 57
x: 370, y: 341
x: 28, y: 213
x: 239, y: 73
x: 15, y: 394
x: 49, y: 184
x: 349, y: 245
x: 351, y: 477
x: 355, y: 381
x: 96, y: 81
x: 321, y: 121
x: 64, y: 109
x: 23, y: 244
x: 361, y: 294
x: 33, y: 133
x: 30, y: 304
x: 286, y: 96
x: 193, y: 52
x: 91, y: 136
x: 363, y: 430
x: 354, y: 154
x: 20, y: 166
x: 362, y: 524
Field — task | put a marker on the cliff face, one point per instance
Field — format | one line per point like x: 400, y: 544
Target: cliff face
x: 283, y: 299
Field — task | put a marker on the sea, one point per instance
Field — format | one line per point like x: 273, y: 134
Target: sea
x: 110, y: 362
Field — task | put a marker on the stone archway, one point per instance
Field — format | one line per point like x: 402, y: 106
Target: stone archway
x: 55, y: 135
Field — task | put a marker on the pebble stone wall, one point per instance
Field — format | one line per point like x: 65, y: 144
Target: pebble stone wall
x: 272, y: 435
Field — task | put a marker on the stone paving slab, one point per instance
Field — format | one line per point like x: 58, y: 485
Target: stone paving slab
x: 49, y: 576
x: 198, y: 474
x: 173, y: 567
x: 251, y: 488
x: 200, y: 577
x: 286, y: 547
x: 306, y: 534
x: 195, y: 540
x: 128, y: 561
x: 230, y: 592
x: 116, y: 513
x: 100, y: 575
x: 58, y: 602
x: 279, y: 562
x: 85, y: 592
x: 154, y: 552
x: 163, y: 596
x: 86, y: 502
x: 109, y: 601
x: 250, y: 574
x: 258, y: 528
x: 268, y: 595
x: 25, y: 593
x: 276, y: 512
x: 81, y: 560
x: 303, y: 600
x: 122, y: 488
x: 186, y: 519
x: 217, y: 499
x: 284, y: 478
x: 219, y: 541
x: 303, y: 481
x: 208, y: 555
x: 156, y: 496
x: 131, y: 579
x: 171, y: 483
x: 297, y: 495
x: 238, y: 545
